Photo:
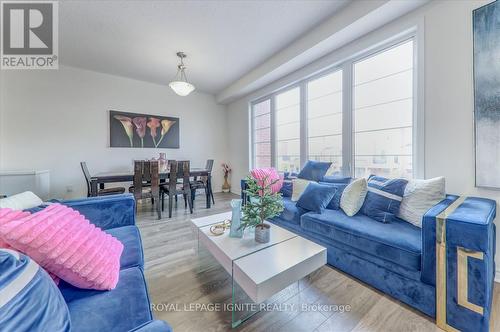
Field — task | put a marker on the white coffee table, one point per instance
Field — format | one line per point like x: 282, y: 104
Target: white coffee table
x: 260, y: 269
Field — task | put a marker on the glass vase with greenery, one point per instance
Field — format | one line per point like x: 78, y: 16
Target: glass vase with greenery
x: 264, y: 203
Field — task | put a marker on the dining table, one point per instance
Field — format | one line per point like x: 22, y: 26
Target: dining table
x: 99, y: 179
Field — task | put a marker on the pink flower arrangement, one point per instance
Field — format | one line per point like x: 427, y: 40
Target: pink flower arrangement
x: 268, y: 177
x: 226, y: 169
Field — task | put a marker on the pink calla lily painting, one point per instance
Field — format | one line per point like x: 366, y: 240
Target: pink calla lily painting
x: 133, y: 130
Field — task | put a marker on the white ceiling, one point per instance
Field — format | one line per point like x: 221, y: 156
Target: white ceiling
x: 223, y: 39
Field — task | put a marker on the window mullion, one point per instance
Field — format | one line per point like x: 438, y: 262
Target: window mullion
x: 273, y: 130
x: 347, y: 120
x: 304, y: 153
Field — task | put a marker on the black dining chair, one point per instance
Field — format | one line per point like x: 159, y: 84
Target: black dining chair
x: 204, y: 182
x: 172, y: 188
x: 100, y: 192
x: 147, y: 182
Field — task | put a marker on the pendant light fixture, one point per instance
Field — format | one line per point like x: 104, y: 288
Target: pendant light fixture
x: 180, y: 84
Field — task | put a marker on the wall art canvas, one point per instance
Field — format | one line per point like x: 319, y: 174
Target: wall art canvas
x: 486, y: 25
x: 133, y: 130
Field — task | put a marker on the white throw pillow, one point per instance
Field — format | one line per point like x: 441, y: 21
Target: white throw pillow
x: 419, y: 197
x: 298, y: 187
x: 25, y: 200
x: 353, y: 196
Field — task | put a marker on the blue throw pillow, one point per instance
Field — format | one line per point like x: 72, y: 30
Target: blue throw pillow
x: 337, y: 179
x: 287, y: 188
x: 384, y: 198
x: 335, y: 202
x: 29, y: 299
x: 316, y: 197
x: 314, y: 170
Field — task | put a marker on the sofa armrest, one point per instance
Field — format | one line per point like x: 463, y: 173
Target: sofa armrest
x: 153, y: 326
x: 106, y: 211
x: 458, y: 252
x: 429, y: 240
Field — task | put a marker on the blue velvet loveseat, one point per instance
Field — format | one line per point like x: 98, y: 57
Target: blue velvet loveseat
x: 444, y: 269
x: 127, y: 307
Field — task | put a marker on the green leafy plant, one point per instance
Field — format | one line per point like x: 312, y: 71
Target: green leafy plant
x: 263, y: 203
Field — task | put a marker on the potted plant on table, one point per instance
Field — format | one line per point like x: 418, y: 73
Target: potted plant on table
x: 264, y: 202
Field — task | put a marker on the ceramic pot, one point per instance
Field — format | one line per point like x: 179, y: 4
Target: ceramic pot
x: 262, y: 233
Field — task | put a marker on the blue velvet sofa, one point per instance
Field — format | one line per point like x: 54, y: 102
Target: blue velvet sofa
x: 127, y: 307
x: 449, y: 277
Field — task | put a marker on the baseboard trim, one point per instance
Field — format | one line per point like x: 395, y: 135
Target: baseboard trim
x: 497, y: 276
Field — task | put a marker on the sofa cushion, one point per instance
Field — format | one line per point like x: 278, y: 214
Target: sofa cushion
x: 314, y: 170
x: 121, y: 309
x: 154, y: 326
x: 132, y: 254
x: 291, y: 212
x: 336, y: 179
x: 335, y: 202
x: 383, y: 198
x: 316, y: 197
x: 398, y: 242
x: 29, y: 299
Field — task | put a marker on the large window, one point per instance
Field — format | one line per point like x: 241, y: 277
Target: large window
x: 324, y: 120
x: 359, y: 116
x: 261, y: 147
x: 383, y: 113
x: 288, y: 130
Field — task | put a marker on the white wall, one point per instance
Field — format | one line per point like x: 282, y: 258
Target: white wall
x: 54, y: 119
x: 448, y: 101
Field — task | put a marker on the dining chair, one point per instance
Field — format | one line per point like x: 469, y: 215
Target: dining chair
x: 100, y: 192
x: 178, y: 170
x: 146, y: 182
x: 204, y: 182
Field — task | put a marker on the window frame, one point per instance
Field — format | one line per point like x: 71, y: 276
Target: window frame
x: 347, y: 68
x: 252, y: 129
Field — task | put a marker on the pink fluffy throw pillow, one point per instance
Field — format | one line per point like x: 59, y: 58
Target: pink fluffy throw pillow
x: 7, y: 215
x: 66, y: 244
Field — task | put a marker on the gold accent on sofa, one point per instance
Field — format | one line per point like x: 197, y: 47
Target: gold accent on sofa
x: 463, y: 278
x: 441, y: 264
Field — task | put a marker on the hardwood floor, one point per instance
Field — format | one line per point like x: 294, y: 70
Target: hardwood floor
x: 179, y: 278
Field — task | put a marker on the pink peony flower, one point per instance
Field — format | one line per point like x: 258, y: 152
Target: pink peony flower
x: 266, y: 176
